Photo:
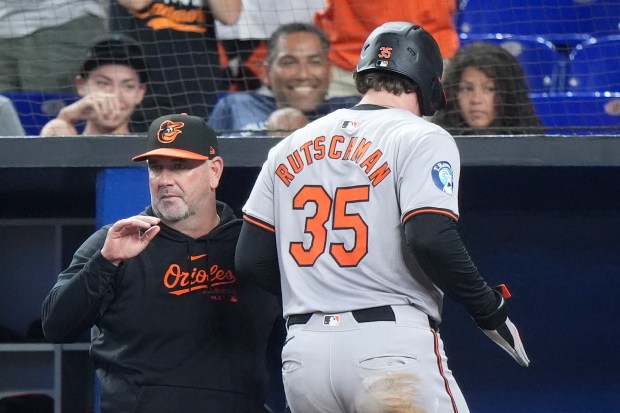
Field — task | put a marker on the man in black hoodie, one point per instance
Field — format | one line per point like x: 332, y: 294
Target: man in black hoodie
x: 172, y: 327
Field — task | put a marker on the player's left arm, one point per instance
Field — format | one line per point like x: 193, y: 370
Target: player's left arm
x: 438, y: 247
x: 256, y: 257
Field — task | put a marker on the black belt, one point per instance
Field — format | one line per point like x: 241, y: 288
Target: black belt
x: 366, y: 315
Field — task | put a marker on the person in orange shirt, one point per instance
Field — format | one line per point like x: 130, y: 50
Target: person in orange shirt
x: 348, y: 22
x: 181, y: 49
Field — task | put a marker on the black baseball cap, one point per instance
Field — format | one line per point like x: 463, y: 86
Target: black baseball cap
x: 115, y: 49
x: 180, y: 136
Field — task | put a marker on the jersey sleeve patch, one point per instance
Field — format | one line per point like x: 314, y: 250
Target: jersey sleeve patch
x: 259, y: 223
x: 440, y: 211
x: 443, y: 176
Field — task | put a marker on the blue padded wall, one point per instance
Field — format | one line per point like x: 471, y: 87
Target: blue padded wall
x: 121, y: 193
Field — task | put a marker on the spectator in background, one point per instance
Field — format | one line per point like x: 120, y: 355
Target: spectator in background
x: 42, y: 42
x: 244, y: 42
x: 111, y: 83
x: 347, y: 22
x: 11, y: 125
x: 296, y: 81
x: 181, y: 48
x: 486, y: 94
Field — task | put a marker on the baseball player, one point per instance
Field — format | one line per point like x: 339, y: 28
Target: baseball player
x: 354, y: 217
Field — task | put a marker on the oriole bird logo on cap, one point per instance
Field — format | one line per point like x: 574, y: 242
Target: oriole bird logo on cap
x: 169, y: 130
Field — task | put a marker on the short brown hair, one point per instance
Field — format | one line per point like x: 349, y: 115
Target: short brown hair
x: 390, y: 82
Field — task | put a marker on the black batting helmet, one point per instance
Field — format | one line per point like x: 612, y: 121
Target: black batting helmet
x: 408, y: 50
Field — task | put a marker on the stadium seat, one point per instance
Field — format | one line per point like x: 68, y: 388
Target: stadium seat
x: 563, y: 22
x: 542, y: 63
x: 35, y: 108
x: 578, y: 114
x: 594, y: 66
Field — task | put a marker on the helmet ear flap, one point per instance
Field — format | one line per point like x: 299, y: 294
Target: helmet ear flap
x: 437, y: 98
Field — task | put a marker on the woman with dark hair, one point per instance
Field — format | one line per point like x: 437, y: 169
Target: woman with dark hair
x: 487, y: 94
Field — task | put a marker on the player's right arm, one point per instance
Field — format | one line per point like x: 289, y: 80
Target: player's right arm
x: 256, y: 257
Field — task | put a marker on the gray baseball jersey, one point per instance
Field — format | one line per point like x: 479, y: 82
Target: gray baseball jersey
x: 337, y: 192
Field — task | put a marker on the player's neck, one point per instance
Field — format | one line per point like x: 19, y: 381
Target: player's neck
x: 406, y: 101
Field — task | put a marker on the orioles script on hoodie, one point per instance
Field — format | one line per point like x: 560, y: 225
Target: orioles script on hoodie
x: 209, y: 278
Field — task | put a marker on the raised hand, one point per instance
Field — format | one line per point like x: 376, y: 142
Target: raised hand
x: 284, y: 121
x: 129, y: 237
x: 95, y: 105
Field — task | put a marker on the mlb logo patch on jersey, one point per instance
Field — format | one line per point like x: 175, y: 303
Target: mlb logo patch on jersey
x: 442, y: 176
x: 331, y: 320
x: 349, y: 125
